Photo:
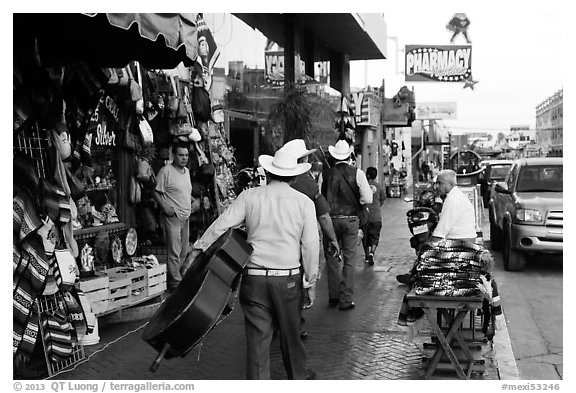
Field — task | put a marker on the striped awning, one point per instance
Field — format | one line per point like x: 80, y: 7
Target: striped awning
x: 109, y: 40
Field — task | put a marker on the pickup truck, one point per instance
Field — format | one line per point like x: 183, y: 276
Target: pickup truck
x: 526, y: 211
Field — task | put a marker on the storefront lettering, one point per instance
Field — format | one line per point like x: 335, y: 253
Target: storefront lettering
x: 110, y: 104
x: 104, y: 137
x: 438, y: 63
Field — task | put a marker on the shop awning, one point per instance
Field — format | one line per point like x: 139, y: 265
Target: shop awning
x: 109, y: 40
x: 360, y: 36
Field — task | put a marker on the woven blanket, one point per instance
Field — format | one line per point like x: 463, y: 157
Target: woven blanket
x: 30, y: 269
x: 452, y: 268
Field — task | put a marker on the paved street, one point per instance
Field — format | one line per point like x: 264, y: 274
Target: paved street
x: 364, y: 343
x: 532, y: 302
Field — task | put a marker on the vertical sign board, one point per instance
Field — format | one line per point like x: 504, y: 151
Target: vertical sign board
x: 438, y: 63
x: 473, y: 192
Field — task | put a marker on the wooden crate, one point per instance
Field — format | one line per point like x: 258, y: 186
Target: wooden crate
x: 100, y: 307
x: 97, y: 291
x: 90, y: 284
x: 156, y: 289
x: 156, y: 279
x: 119, y: 292
x: 137, y: 281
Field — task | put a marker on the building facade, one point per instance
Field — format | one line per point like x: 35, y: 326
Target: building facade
x: 549, y: 124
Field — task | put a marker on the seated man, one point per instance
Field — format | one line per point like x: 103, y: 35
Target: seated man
x: 457, y: 219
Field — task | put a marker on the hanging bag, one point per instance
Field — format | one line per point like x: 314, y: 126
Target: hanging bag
x: 135, y: 191
x: 67, y: 268
x: 145, y: 131
x: 201, y: 104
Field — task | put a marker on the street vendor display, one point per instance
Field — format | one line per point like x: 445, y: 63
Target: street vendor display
x: 454, y: 278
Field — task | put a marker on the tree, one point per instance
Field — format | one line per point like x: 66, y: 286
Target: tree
x: 290, y: 118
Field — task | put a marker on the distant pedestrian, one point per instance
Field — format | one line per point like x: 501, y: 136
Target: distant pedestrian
x: 173, y: 192
x: 346, y: 189
x: 373, y: 223
x: 281, y: 226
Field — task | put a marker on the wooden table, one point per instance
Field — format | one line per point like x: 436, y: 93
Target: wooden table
x: 453, y: 310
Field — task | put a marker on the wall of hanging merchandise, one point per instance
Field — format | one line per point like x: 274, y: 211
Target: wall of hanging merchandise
x: 222, y: 156
x: 102, y: 120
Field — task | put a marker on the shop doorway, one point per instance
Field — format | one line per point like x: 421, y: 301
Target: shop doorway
x: 243, y: 136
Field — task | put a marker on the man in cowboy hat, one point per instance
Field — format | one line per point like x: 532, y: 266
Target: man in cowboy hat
x: 281, y: 227
x: 306, y: 184
x: 346, y: 189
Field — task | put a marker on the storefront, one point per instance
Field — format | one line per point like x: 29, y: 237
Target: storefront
x: 92, y: 126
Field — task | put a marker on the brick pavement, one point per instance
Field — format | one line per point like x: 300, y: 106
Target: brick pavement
x: 364, y: 343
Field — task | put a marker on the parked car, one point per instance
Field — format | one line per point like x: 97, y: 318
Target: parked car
x: 494, y: 171
x: 526, y: 211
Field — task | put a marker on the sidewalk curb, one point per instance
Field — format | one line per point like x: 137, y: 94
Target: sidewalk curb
x: 506, y: 363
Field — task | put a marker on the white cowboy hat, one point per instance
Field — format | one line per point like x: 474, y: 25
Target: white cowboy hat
x: 341, y: 150
x: 283, y: 163
x: 297, y: 147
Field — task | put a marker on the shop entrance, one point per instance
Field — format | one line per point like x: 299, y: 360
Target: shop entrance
x: 243, y: 136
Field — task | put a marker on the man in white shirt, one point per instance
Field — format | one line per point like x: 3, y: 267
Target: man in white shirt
x: 457, y: 218
x: 281, y: 226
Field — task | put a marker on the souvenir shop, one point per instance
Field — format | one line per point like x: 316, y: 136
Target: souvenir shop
x: 99, y: 99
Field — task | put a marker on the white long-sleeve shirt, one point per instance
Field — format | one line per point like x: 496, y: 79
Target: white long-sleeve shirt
x: 457, y: 220
x: 281, y: 227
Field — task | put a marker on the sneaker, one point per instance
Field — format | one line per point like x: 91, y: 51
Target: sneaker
x: 371, y: 259
x: 405, y: 279
x: 310, y: 374
x: 303, y: 335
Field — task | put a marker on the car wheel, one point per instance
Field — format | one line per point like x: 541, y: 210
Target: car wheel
x: 514, y: 260
x: 496, y: 242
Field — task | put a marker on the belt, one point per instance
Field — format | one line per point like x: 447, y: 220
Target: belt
x: 272, y: 272
x: 343, y: 216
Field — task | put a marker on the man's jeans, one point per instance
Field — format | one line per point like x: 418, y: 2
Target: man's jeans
x: 176, y: 235
x: 341, y: 283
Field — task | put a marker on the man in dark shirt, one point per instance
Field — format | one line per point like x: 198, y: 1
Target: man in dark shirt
x: 346, y: 188
x: 306, y: 184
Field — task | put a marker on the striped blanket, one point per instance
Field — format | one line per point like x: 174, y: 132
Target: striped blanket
x: 452, y: 268
x: 30, y: 268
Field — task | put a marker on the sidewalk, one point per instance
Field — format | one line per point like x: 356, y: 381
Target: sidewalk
x: 364, y: 343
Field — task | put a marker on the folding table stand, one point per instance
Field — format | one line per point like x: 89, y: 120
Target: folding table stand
x: 450, y: 341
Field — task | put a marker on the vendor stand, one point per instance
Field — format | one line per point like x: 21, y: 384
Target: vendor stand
x: 453, y: 288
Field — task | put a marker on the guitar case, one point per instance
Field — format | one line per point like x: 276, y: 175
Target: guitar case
x: 201, y: 301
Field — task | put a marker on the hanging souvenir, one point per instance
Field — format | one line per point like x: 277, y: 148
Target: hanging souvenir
x: 131, y: 241
x: 86, y: 260
x: 117, y: 250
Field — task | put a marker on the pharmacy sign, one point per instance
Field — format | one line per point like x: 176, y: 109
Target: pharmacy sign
x: 438, y: 63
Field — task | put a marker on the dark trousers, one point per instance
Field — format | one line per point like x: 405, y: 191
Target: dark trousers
x: 341, y: 279
x: 270, y: 302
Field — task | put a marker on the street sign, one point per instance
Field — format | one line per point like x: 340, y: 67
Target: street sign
x: 435, y: 110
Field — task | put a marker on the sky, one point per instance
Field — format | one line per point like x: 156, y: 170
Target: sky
x: 518, y: 54
x: 517, y: 57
